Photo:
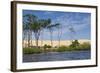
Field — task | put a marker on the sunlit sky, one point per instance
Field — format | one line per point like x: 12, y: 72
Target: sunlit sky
x: 80, y: 22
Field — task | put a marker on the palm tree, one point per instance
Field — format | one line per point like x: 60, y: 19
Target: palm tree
x: 58, y: 26
x: 25, y: 32
x: 35, y: 25
x: 51, y: 28
x: 44, y: 24
x: 36, y: 29
x: 38, y: 26
x: 29, y: 19
x: 73, y: 32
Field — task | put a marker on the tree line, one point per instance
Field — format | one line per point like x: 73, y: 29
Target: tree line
x: 32, y: 24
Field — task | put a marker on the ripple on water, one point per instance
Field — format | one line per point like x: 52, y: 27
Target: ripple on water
x: 57, y: 56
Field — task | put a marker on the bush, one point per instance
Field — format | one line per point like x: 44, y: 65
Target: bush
x: 62, y: 48
x: 47, y: 46
x: 79, y: 47
x: 85, y: 46
x: 31, y: 50
x: 75, y: 43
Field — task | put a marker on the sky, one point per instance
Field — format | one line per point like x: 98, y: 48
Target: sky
x: 80, y: 22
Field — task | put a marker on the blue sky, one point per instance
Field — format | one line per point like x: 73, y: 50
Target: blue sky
x: 80, y: 22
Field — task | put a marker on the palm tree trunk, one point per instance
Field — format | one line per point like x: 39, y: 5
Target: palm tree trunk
x: 29, y: 38
x: 59, y: 42
x: 37, y: 43
x: 58, y: 38
x: 41, y: 39
x: 37, y: 39
x: 51, y: 33
x: 23, y: 39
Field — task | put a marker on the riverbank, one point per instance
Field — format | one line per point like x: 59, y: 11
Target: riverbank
x: 80, y: 47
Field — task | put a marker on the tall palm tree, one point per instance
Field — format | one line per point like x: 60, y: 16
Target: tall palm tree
x: 58, y: 26
x: 44, y: 24
x: 29, y: 19
x: 36, y: 29
x: 73, y: 32
x: 35, y: 25
x: 24, y: 34
x: 51, y: 28
x: 38, y: 26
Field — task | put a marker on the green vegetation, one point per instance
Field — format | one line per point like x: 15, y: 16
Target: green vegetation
x: 84, y: 46
x: 47, y: 46
x: 75, y: 43
x: 75, y: 46
x: 32, y: 50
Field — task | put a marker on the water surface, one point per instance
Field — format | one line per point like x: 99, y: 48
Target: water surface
x: 57, y: 56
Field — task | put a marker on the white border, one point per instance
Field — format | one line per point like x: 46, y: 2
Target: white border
x: 21, y: 65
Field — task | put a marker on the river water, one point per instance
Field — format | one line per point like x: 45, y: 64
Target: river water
x: 57, y: 56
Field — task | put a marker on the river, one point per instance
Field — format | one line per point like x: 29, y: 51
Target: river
x: 57, y: 56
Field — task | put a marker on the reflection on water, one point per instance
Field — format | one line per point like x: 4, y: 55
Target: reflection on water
x: 57, y: 56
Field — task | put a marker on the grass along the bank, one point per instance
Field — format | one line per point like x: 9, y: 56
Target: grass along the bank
x: 78, y: 47
x: 32, y: 50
